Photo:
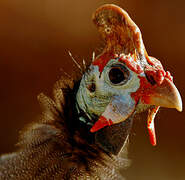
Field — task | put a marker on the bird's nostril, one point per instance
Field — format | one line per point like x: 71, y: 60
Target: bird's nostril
x: 150, y: 79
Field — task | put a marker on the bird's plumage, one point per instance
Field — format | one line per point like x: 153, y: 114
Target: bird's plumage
x: 56, y: 147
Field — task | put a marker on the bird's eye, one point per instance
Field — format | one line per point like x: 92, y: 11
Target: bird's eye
x: 118, y: 74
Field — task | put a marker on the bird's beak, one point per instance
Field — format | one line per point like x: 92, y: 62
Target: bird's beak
x: 164, y: 95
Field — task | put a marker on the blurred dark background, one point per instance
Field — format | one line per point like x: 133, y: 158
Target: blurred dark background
x: 35, y: 36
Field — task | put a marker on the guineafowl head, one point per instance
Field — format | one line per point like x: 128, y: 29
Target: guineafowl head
x: 122, y: 81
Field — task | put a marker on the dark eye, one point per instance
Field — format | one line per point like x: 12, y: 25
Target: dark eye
x: 118, y: 74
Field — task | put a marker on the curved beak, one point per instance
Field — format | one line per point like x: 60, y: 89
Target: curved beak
x: 164, y: 95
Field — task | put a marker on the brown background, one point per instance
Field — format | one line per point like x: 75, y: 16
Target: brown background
x: 34, y: 38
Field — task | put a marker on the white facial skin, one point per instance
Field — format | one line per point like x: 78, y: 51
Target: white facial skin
x: 94, y: 101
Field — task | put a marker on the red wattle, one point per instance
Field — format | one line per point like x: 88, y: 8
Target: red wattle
x: 102, y: 122
x: 152, y: 136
